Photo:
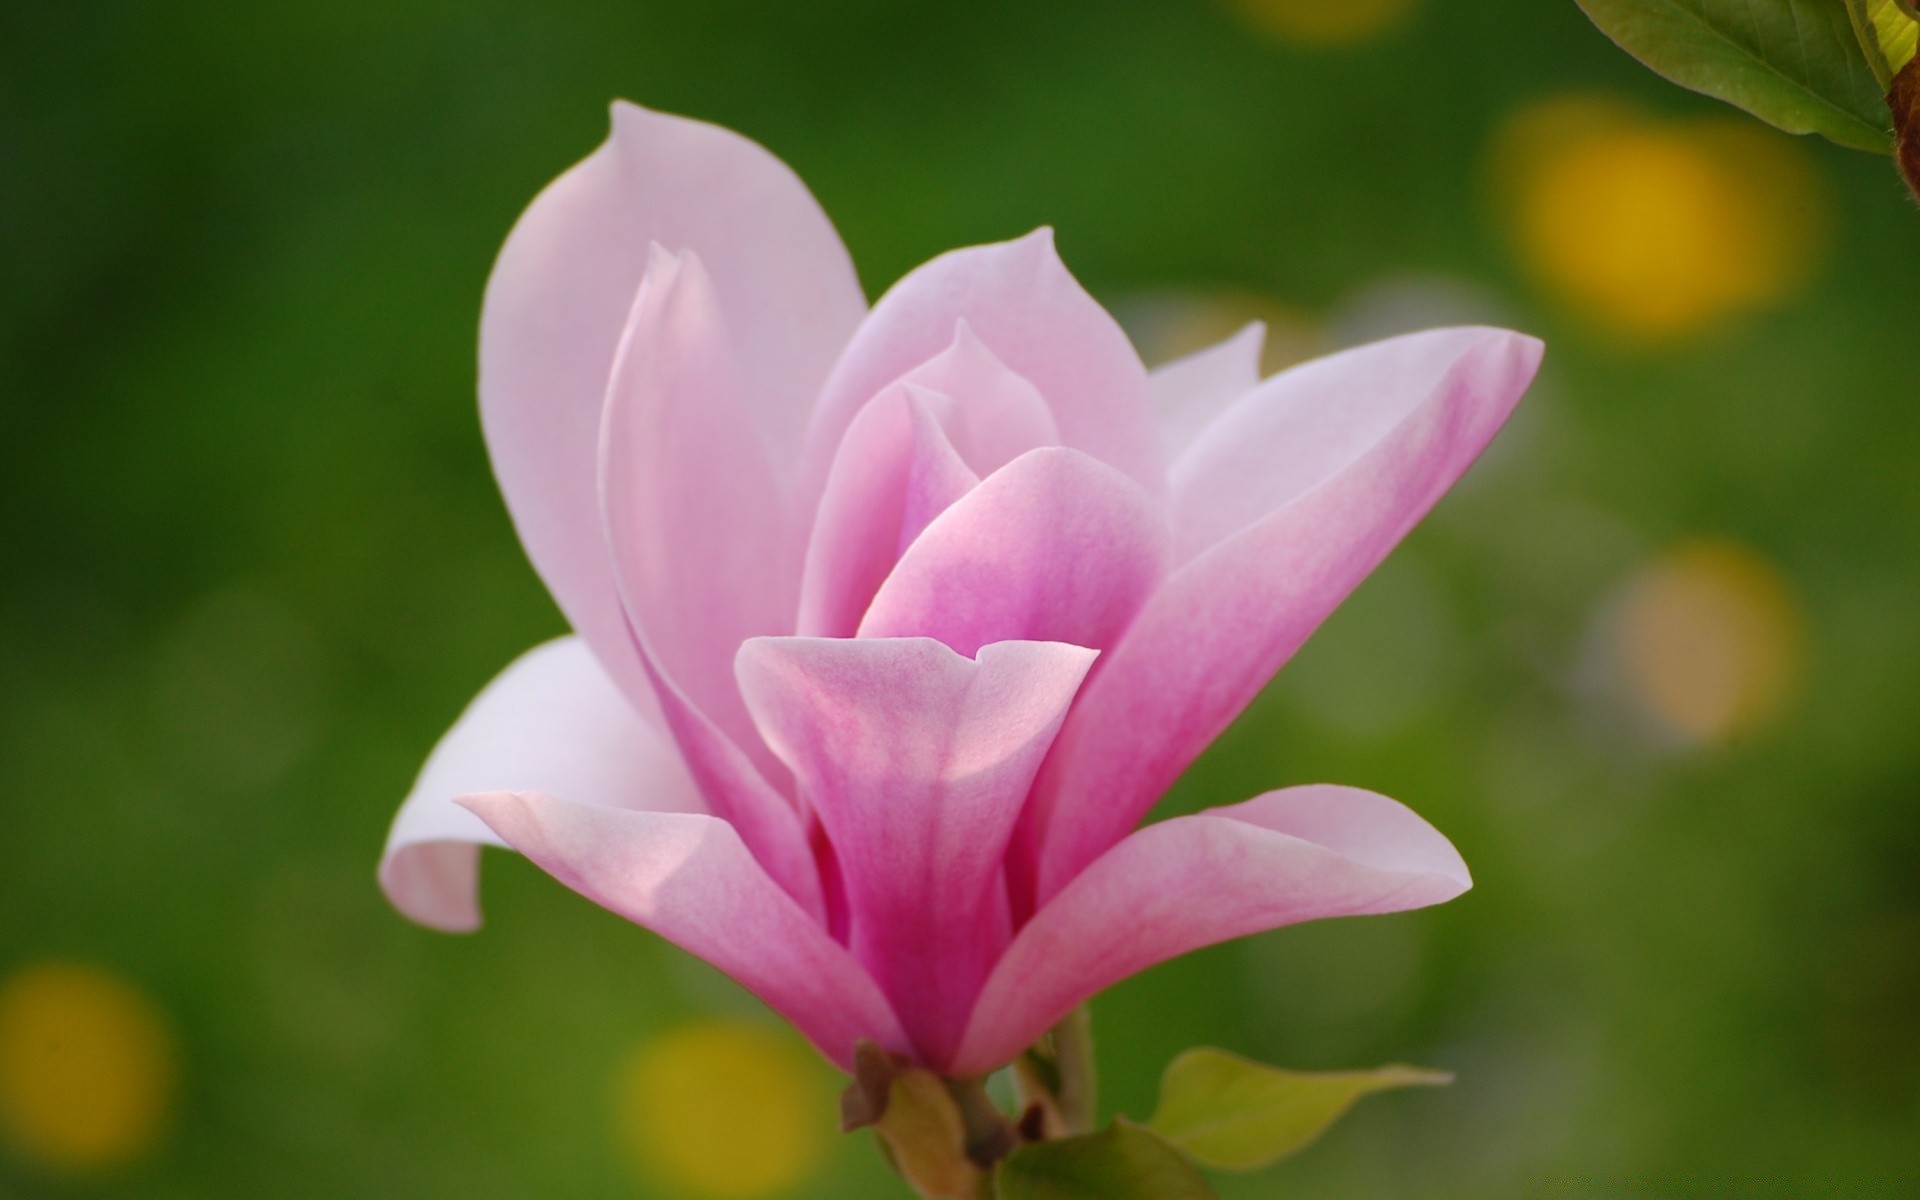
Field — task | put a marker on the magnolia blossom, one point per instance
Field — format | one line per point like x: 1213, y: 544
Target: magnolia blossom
x: 891, y: 624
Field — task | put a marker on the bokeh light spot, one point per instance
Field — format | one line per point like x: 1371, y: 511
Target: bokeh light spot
x: 1658, y: 230
x: 725, y: 1108
x: 1711, y: 641
x: 87, y: 1067
x: 1324, y: 22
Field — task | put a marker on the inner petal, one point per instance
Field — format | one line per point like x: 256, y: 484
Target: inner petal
x: 895, y: 472
x: 1056, y: 546
x: 917, y: 761
x: 992, y: 414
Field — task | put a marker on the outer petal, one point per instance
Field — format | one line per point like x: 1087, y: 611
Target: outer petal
x: 1305, y: 426
x: 1055, y: 546
x: 894, y: 473
x: 696, y: 530
x: 1020, y: 300
x: 691, y: 880
x: 559, y: 297
x: 918, y: 761
x: 1188, y: 393
x: 695, y: 518
x: 739, y: 794
x: 1285, y: 857
x: 1223, y: 623
x: 552, y: 720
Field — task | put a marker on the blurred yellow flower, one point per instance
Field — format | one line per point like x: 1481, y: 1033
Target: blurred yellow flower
x: 725, y: 1108
x: 1324, y: 22
x: 87, y: 1067
x: 1711, y: 640
x: 1656, y: 230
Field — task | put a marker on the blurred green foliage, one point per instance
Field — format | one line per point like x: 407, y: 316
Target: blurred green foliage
x: 255, y: 564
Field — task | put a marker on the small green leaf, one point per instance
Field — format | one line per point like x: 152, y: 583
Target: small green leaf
x: 1889, y: 31
x: 1121, y: 1162
x: 1233, y: 1114
x: 1795, y: 63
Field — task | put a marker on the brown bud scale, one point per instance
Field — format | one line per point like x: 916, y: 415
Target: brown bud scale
x: 1904, y: 99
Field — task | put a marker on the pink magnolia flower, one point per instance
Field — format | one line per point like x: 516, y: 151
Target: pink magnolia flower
x: 890, y: 625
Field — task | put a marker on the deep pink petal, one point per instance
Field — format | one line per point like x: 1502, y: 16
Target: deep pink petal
x: 1224, y: 622
x: 690, y: 879
x: 1188, y: 393
x: 1037, y: 320
x: 559, y: 298
x: 917, y: 760
x: 1279, y: 859
x: 894, y: 473
x: 552, y: 721
x: 1055, y: 546
x: 695, y: 517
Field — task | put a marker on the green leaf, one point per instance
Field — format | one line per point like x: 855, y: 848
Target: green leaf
x: 1890, y: 33
x: 1121, y: 1162
x: 1794, y: 63
x: 1233, y: 1114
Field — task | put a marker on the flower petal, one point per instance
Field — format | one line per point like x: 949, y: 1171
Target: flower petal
x: 696, y: 530
x: 695, y: 519
x: 1224, y: 622
x: 1024, y: 305
x: 1279, y: 859
x: 895, y: 472
x: 1307, y: 425
x: 552, y: 720
x: 690, y: 879
x: 736, y: 792
x: 1055, y: 546
x: 559, y: 298
x: 1188, y: 393
x: 918, y: 761
x: 992, y: 415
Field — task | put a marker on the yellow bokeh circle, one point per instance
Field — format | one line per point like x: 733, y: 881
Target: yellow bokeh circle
x: 1324, y: 22
x: 87, y: 1067
x: 1656, y: 230
x: 1712, y: 639
x: 725, y: 1109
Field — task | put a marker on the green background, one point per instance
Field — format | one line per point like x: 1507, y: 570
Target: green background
x: 254, y: 564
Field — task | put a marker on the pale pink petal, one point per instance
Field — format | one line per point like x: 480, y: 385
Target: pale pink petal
x: 1306, y: 425
x: 917, y: 761
x: 559, y: 298
x: 1037, y: 320
x: 992, y: 415
x: 696, y: 530
x: 737, y: 792
x: 691, y: 880
x: 1285, y: 857
x: 695, y: 517
x: 1223, y: 623
x: 1055, y: 546
x: 1188, y: 393
x: 894, y: 473
x: 552, y: 720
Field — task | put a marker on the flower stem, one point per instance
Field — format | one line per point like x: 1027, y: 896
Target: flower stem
x: 1073, y: 1057
x: 989, y: 1135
